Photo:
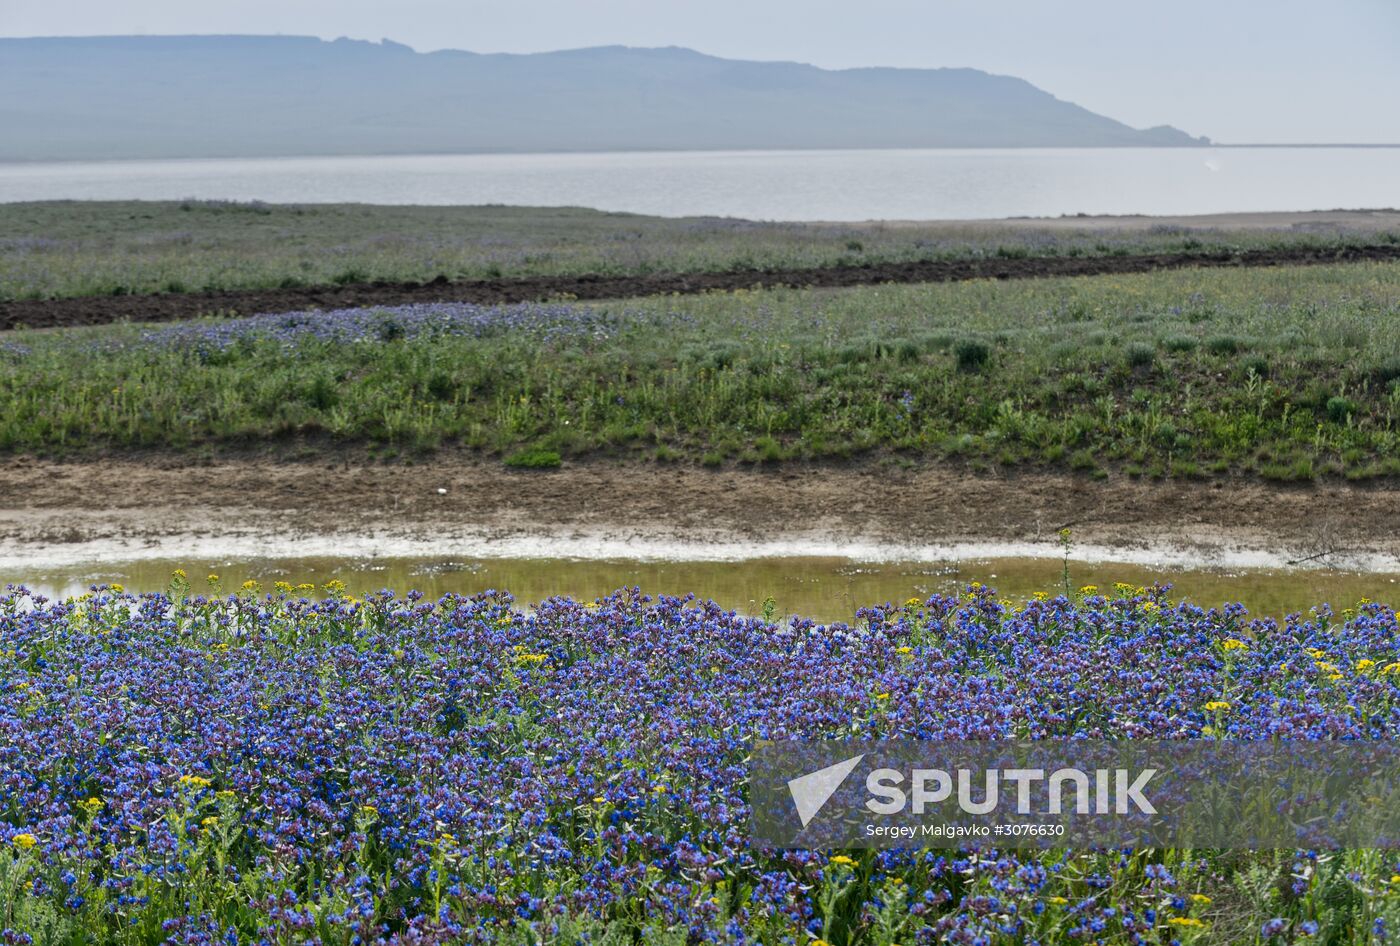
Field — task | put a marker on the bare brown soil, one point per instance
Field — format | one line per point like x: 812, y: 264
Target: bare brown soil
x: 97, y: 310
x: 134, y: 500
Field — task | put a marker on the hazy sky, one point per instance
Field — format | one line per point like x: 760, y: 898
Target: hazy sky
x: 1236, y: 70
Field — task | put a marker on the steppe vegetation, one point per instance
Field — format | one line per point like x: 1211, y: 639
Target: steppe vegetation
x: 93, y: 248
x: 1287, y: 374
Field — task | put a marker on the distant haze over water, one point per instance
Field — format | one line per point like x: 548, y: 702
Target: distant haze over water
x: 769, y: 185
x: 150, y: 97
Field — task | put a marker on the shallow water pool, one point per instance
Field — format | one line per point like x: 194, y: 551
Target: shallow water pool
x: 826, y: 589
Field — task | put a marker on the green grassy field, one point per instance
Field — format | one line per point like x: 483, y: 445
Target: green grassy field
x: 63, y: 249
x: 1285, y: 374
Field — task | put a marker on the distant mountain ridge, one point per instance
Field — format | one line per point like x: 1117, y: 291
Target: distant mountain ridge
x: 69, y: 98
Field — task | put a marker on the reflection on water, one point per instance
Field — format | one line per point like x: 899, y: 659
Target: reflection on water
x: 826, y: 589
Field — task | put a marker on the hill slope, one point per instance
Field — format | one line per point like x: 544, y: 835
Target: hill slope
x: 205, y: 96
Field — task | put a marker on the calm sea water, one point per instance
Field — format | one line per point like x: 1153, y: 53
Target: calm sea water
x: 771, y: 185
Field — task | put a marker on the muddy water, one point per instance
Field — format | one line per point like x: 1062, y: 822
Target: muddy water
x: 827, y: 589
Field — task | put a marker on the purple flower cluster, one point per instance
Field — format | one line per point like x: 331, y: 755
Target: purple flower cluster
x: 276, y: 768
x: 539, y: 321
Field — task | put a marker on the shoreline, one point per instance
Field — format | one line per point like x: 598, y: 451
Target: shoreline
x: 60, y: 513
x: 1361, y: 219
x: 655, y: 546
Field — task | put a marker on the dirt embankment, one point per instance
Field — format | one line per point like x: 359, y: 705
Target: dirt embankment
x: 97, y: 310
x: 136, y: 507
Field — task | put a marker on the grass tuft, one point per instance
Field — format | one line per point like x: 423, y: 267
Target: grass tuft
x: 535, y: 458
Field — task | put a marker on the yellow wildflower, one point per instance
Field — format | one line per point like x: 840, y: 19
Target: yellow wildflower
x: 599, y: 800
x: 912, y: 603
x: 211, y: 578
x: 1200, y: 898
x: 118, y: 588
x: 882, y: 696
x: 24, y: 841
x: 905, y: 650
x: 1389, y: 669
x: 1364, y: 664
x: 209, y: 821
x: 1233, y: 644
x: 1059, y: 901
x: 1217, y: 706
x: 1089, y: 590
x: 1186, y: 921
x: 194, y: 781
x: 179, y: 573
x: 841, y: 860
x: 1328, y: 670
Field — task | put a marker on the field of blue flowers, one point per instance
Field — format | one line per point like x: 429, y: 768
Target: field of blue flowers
x: 292, y: 765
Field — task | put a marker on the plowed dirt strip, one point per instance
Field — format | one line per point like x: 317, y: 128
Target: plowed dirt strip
x: 99, y: 310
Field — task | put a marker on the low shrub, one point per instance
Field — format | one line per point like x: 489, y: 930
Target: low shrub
x: 972, y: 354
x: 535, y: 458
